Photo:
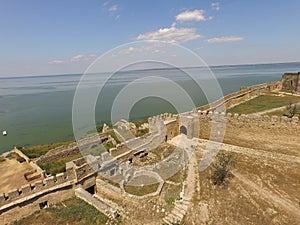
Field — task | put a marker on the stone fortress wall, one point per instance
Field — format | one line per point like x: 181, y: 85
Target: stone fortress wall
x: 291, y: 81
x: 28, y: 198
x: 80, y: 174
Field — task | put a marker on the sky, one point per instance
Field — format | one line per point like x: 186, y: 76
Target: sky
x: 66, y: 36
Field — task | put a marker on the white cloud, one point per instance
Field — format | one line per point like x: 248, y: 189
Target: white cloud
x: 215, y: 6
x: 113, y: 8
x: 76, y: 58
x: 154, y: 48
x: 224, y: 39
x: 196, y: 15
x: 56, y: 62
x: 105, y: 3
x: 81, y: 57
x: 172, y: 34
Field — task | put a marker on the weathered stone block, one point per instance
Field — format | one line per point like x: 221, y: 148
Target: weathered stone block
x: 275, y: 119
x: 60, y: 178
x: 50, y: 181
x: 2, y: 199
x: 26, y: 189
x: 38, y: 186
x: 13, y: 194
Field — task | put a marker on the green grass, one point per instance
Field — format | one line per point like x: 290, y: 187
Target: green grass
x: 170, y: 201
x: 141, y: 132
x: 139, y: 123
x: 263, y: 102
x: 72, y: 211
x: 113, y: 135
x: 108, y: 145
x: 39, y: 150
x: 58, y: 166
x: 141, y: 191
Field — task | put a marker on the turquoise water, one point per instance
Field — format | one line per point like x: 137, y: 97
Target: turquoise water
x: 38, y: 110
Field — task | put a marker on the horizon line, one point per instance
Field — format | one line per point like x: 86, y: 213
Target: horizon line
x: 155, y: 68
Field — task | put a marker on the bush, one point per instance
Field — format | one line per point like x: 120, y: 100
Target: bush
x: 224, y: 162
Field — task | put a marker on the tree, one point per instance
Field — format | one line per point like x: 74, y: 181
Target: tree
x: 222, y: 166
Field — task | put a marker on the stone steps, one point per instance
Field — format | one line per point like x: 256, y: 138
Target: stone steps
x: 177, y: 212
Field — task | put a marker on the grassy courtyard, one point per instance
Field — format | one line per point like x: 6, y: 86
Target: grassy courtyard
x: 72, y: 211
x: 262, y: 103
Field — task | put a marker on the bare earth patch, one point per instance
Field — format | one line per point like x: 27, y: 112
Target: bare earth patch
x: 12, y: 174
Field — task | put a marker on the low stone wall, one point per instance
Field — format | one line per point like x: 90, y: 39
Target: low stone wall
x: 30, y: 205
x: 58, y: 153
x: 21, y: 154
x: 244, y: 94
x: 28, y: 191
x: 98, y: 204
x: 106, y: 188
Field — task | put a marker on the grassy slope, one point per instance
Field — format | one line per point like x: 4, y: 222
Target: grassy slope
x: 263, y: 102
x: 72, y: 211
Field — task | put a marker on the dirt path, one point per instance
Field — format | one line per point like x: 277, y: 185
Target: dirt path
x: 281, y: 202
x: 252, y: 152
x: 270, y: 111
x: 189, y: 185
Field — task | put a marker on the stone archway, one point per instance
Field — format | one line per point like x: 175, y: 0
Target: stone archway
x: 183, y: 130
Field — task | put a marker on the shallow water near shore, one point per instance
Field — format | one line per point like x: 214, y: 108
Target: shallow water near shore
x: 38, y: 110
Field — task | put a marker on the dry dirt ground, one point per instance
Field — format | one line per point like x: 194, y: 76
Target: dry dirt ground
x: 264, y: 190
x: 12, y: 174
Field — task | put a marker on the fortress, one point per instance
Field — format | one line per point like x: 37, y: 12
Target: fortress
x: 83, y: 176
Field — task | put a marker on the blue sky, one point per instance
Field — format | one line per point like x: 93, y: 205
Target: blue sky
x: 65, y: 36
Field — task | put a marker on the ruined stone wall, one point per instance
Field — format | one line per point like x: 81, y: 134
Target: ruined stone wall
x: 30, y: 191
x: 26, y: 208
x: 72, y: 149
x: 291, y: 81
x: 52, y: 189
x: 172, y: 129
x: 106, y: 188
x: 244, y: 94
x: 278, y: 134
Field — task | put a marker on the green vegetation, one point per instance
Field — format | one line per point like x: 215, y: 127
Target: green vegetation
x: 141, y: 190
x: 113, y: 135
x: 142, y: 132
x: 108, y: 145
x: 263, y: 102
x: 170, y: 201
x: 39, y: 150
x: 172, y: 192
x: 139, y: 123
x: 58, y: 166
x: 100, y: 127
x: 72, y: 211
x: 221, y: 168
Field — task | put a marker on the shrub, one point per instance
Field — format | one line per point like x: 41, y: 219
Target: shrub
x: 221, y: 174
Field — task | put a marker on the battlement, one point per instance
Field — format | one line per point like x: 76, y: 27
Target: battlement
x: 30, y: 191
x: 208, y: 115
x: 76, y: 171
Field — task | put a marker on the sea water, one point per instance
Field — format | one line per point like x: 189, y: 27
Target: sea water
x: 38, y: 109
